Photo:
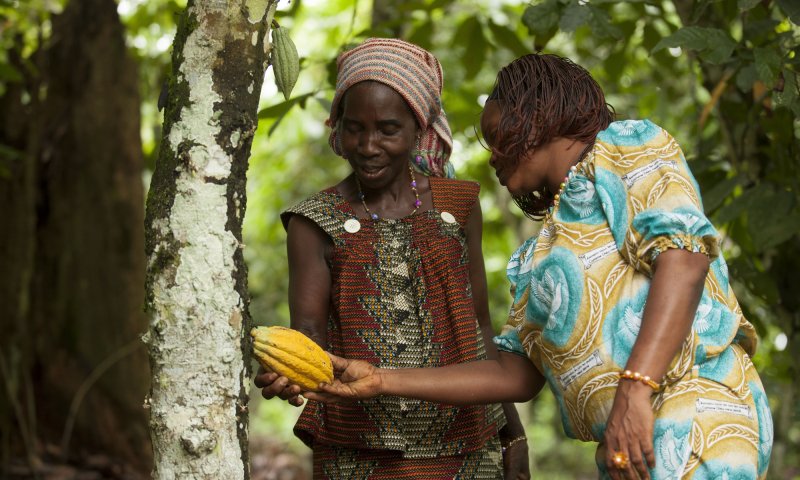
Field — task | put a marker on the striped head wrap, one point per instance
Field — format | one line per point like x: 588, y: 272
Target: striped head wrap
x: 416, y: 75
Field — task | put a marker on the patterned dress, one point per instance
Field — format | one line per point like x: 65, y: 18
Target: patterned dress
x: 579, y: 292
x: 401, y: 298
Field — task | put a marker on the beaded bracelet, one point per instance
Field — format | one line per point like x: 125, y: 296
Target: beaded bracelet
x: 638, y: 377
x: 521, y: 438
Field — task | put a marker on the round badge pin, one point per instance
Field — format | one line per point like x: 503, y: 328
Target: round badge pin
x: 352, y: 225
x: 448, y: 217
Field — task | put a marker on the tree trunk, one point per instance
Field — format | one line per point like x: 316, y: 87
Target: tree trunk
x: 196, y: 278
x: 73, y: 258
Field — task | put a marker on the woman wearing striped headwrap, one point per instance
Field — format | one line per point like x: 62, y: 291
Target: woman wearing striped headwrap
x: 386, y: 267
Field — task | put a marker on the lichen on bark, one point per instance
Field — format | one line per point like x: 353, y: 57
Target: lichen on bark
x: 197, y: 279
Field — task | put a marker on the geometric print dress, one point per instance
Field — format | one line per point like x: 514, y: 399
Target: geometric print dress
x: 401, y: 297
x: 579, y: 288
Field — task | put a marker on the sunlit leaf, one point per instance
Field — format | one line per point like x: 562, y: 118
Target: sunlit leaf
x: 714, y: 45
x: 574, y: 17
x: 542, y: 17
x: 601, y: 24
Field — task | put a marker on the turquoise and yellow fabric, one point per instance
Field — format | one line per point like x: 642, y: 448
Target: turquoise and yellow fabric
x: 579, y: 288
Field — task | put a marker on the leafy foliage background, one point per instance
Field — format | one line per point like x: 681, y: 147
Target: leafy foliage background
x: 721, y: 76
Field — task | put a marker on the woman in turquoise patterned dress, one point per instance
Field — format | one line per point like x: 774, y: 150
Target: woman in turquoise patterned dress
x: 621, y: 303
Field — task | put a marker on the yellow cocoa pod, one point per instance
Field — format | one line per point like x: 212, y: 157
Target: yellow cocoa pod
x: 285, y: 62
x: 293, y: 355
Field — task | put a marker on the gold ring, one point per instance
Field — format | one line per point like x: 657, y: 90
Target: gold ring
x: 620, y: 460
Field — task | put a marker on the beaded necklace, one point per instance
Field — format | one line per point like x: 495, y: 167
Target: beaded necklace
x: 577, y: 168
x: 417, y: 201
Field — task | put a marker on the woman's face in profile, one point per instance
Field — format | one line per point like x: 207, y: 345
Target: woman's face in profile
x: 521, y: 175
x: 378, y: 133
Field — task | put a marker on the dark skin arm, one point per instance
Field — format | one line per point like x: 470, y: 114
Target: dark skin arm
x: 516, y: 464
x: 510, y: 378
x: 308, y: 248
x: 677, y: 285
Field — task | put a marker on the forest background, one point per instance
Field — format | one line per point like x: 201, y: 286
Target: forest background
x: 81, y: 83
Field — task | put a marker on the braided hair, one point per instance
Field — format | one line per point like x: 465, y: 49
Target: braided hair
x: 543, y: 97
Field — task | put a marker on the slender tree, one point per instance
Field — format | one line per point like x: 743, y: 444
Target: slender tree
x: 196, y: 278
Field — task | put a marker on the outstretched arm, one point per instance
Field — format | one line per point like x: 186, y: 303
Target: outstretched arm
x: 510, y: 378
x: 516, y: 463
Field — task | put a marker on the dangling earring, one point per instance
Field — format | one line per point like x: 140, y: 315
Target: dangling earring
x: 416, y: 154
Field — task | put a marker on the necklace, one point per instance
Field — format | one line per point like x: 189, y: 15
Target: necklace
x: 577, y: 168
x: 417, y: 201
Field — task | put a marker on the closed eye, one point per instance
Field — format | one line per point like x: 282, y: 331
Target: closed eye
x: 352, y: 127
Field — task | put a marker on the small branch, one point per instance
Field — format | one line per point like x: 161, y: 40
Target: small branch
x: 24, y: 430
x: 98, y: 372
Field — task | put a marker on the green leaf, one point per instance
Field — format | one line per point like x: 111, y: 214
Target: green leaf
x: 440, y: 4
x: 9, y: 153
x: 543, y: 17
x: 712, y: 44
x: 9, y: 74
x: 650, y: 37
x: 771, y: 219
x: 736, y: 207
x: 714, y: 197
x: 768, y: 63
x: 615, y: 64
x: 463, y: 31
x: 601, y: 25
x: 788, y: 96
x: 476, y: 49
x: 791, y: 8
x: 279, y: 110
x: 745, y: 5
x: 574, y: 16
x: 746, y: 77
x: 423, y: 35
x: 508, y: 39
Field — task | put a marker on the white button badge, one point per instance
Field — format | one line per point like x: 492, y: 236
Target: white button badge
x: 352, y: 225
x: 448, y: 217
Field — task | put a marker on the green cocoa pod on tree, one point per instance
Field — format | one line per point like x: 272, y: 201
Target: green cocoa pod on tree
x: 285, y: 62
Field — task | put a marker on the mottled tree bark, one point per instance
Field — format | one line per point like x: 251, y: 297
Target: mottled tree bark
x: 74, y: 370
x: 196, y: 278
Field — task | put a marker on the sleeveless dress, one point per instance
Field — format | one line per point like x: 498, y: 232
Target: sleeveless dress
x: 580, y: 288
x: 401, y: 298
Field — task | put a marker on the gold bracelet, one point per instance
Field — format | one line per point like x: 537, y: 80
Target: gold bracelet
x: 521, y: 438
x: 638, y: 377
